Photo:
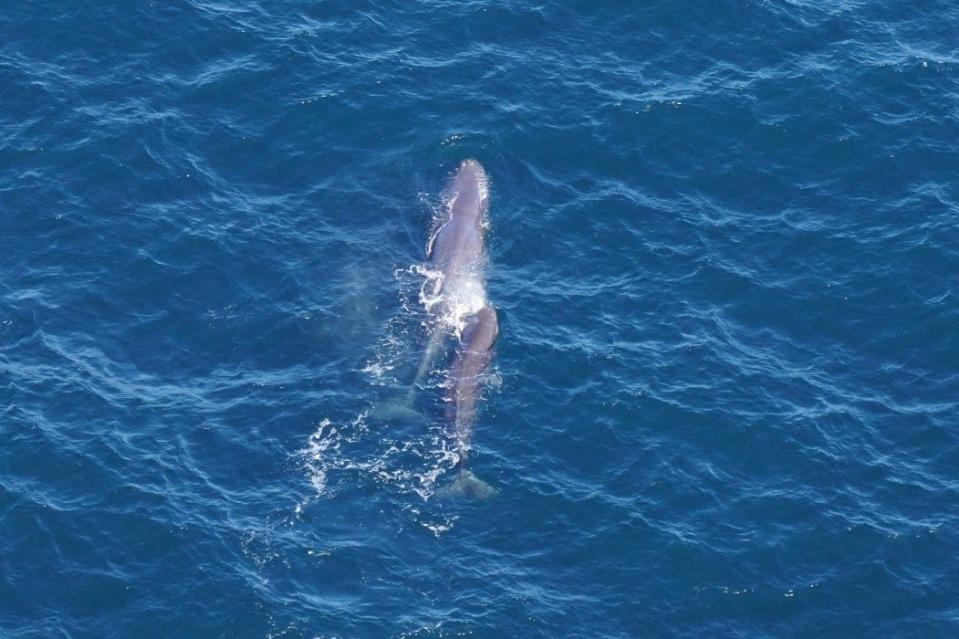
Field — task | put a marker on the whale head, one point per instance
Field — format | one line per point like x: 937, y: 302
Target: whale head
x: 469, y: 191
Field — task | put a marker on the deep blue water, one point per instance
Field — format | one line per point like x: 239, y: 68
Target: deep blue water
x: 724, y: 248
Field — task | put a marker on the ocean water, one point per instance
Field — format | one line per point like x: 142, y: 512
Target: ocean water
x: 724, y: 245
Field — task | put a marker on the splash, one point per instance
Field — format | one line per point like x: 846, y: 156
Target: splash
x: 450, y: 302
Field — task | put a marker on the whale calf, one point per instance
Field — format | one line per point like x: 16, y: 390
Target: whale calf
x: 457, y: 254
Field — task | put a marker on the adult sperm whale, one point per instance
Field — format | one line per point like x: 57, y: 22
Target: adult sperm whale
x: 457, y: 253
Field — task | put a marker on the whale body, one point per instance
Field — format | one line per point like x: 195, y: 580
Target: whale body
x: 457, y: 254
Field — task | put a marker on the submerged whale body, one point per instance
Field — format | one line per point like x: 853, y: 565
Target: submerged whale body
x: 457, y: 252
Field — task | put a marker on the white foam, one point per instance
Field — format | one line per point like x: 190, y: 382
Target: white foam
x: 431, y: 289
x: 413, y: 465
x: 319, y: 442
x: 482, y: 185
x: 323, y: 451
x: 377, y: 370
x: 461, y: 300
x: 450, y: 302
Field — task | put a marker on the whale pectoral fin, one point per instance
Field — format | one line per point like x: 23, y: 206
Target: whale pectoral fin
x: 397, y: 410
x: 466, y: 485
x: 432, y: 241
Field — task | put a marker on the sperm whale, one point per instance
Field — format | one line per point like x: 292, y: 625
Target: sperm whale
x: 458, y: 258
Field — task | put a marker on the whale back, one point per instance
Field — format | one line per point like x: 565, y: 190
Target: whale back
x: 457, y: 244
x: 480, y: 334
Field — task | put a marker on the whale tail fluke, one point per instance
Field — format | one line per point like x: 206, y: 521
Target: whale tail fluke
x: 466, y: 485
